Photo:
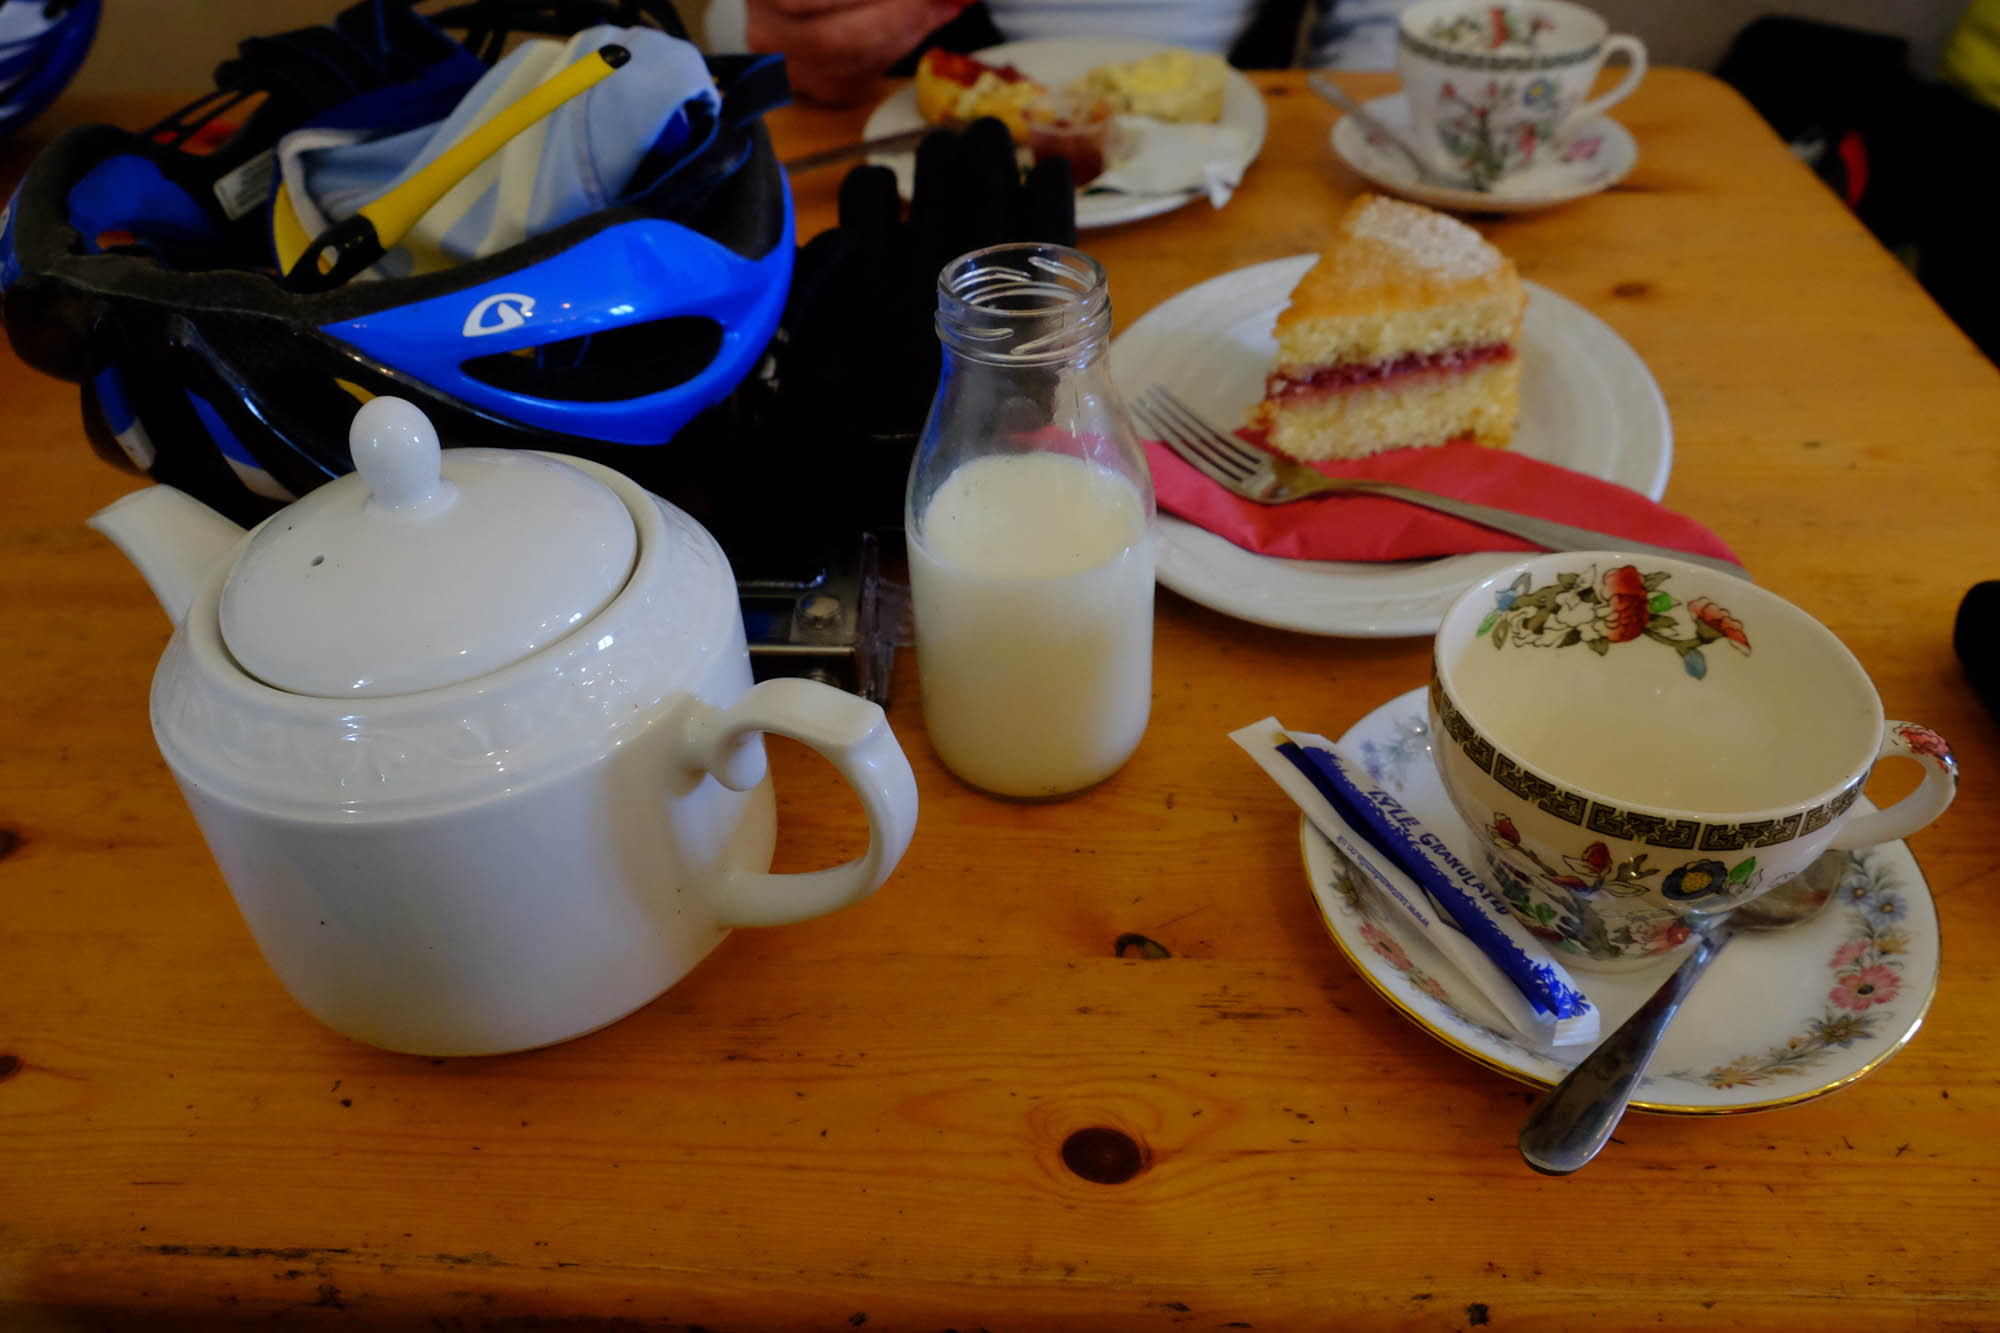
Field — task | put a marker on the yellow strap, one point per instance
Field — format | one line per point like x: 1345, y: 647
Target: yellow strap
x: 398, y: 211
x: 288, y: 234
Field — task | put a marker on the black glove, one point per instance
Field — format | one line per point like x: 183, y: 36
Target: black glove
x: 829, y: 423
x: 861, y: 323
x: 1976, y: 638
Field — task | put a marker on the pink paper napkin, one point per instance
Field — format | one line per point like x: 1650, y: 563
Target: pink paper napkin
x: 1370, y: 527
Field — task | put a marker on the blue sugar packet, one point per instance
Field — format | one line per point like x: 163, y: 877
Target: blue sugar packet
x: 1436, y: 891
x: 1419, y: 853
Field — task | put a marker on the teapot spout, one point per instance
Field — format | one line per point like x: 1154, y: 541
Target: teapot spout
x: 174, y: 540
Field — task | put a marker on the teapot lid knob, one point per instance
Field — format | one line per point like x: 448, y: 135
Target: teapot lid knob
x: 425, y: 568
x: 395, y: 450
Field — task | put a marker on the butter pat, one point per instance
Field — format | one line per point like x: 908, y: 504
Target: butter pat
x: 1174, y: 85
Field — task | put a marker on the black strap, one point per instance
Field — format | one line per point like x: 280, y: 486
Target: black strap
x: 670, y: 182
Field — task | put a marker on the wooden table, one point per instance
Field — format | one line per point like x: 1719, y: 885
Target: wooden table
x: 858, y: 1122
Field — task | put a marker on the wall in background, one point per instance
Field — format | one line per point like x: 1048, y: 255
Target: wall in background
x: 1697, y: 32
x: 174, y: 46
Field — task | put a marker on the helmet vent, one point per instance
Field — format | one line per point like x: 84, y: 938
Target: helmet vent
x: 611, y: 365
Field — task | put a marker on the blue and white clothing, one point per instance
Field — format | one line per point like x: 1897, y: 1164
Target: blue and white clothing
x: 575, y: 161
x: 1354, y: 34
x: 1344, y: 34
x: 1198, y: 25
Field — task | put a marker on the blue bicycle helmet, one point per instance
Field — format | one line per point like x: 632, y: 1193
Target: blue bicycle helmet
x: 142, y: 270
x: 42, y: 44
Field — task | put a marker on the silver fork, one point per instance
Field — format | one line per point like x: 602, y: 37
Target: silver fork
x: 1269, y: 479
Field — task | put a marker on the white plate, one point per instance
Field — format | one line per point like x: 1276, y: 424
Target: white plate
x: 1779, y: 1019
x: 1595, y: 156
x: 1587, y: 402
x: 1058, y: 63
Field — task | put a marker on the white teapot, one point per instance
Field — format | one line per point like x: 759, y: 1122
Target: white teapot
x: 473, y: 738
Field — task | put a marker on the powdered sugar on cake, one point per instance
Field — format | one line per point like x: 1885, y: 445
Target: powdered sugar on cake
x: 1441, y: 245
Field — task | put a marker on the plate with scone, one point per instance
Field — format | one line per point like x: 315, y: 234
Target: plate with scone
x: 1138, y: 121
x: 1408, y: 332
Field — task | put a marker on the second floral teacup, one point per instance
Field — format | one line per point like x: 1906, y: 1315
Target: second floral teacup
x: 1497, y: 89
x: 1634, y: 739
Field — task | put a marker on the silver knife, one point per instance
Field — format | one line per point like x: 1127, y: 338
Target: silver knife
x: 888, y: 143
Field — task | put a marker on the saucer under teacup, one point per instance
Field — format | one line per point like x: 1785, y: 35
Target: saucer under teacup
x: 1781, y: 1018
x: 1596, y: 156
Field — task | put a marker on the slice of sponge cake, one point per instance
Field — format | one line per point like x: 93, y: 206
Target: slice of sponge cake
x: 1403, y: 333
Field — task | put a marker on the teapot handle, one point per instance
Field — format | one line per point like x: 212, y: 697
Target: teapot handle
x: 854, y: 736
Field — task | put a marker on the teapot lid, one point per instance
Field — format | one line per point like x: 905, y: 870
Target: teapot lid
x: 423, y: 569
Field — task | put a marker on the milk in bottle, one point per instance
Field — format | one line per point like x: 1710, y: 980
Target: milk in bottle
x: 1029, y: 529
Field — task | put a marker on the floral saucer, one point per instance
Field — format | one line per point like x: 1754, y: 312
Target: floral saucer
x: 1781, y: 1018
x: 1596, y: 155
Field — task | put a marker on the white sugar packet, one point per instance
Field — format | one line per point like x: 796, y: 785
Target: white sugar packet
x: 1532, y: 991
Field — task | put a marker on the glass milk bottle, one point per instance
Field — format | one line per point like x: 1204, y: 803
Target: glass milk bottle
x: 1029, y: 520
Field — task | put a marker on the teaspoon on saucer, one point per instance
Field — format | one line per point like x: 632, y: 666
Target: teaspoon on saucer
x: 1334, y: 93
x: 1575, y: 1120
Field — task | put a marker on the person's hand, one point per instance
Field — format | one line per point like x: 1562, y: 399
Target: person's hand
x: 836, y: 49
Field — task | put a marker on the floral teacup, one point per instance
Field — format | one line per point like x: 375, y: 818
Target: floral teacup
x: 1495, y: 89
x: 1637, y: 739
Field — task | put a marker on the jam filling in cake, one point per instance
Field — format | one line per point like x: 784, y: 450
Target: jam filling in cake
x: 1334, y: 379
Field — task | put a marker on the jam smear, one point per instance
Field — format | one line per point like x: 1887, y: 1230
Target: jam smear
x: 963, y: 69
x: 1362, y: 374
